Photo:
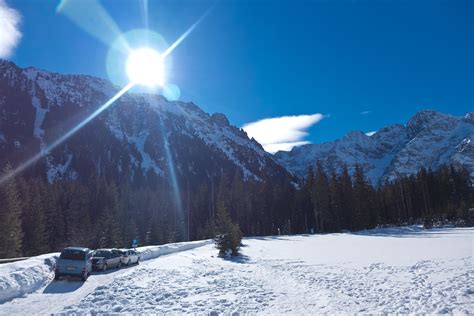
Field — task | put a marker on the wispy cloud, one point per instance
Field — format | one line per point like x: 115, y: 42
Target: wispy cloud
x: 282, y: 133
x: 370, y: 133
x: 9, y: 29
x: 365, y: 112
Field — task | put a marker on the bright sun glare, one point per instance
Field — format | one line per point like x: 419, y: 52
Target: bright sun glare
x: 145, y: 66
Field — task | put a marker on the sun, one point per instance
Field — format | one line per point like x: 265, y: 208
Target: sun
x: 145, y: 66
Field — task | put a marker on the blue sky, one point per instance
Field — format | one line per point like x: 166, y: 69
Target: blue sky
x: 362, y: 64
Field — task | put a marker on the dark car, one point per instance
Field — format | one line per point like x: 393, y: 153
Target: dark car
x: 103, y: 259
x: 74, y: 261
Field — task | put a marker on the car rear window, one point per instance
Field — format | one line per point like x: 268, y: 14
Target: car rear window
x: 102, y: 253
x: 70, y: 254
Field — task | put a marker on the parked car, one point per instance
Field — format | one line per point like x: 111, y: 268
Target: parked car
x: 129, y: 256
x: 103, y: 259
x: 74, y: 261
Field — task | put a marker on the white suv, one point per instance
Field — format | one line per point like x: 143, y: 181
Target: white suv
x: 129, y: 256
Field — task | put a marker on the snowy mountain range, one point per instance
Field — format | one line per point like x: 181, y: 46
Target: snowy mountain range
x: 143, y: 138
x: 429, y: 139
x: 140, y: 137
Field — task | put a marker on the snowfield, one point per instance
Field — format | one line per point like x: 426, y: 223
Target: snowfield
x: 23, y: 277
x: 396, y: 270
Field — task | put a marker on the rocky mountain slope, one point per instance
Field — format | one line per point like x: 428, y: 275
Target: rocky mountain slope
x: 142, y: 138
x: 429, y: 139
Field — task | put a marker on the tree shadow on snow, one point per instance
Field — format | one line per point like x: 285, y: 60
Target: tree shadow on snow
x: 270, y: 238
x: 408, y: 232
x: 239, y: 259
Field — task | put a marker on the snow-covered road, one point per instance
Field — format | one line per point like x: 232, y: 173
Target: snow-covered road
x: 400, y: 270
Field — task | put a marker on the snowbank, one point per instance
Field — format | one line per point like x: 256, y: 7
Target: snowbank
x: 23, y: 277
x: 151, y: 252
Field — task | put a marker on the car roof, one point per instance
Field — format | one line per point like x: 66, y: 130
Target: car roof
x: 77, y: 248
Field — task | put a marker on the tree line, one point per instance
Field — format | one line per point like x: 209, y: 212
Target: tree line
x: 341, y: 202
x: 39, y: 217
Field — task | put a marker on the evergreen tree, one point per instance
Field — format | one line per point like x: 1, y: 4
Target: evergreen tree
x: 108, y: 228
x: 362, y: 200
x: 346, y: 199
x: 33, y: 217
x: 321, y: 197
x: 229, y: 234
x: 11, y: 235
x: 334, y: 218
x: 54, y: 215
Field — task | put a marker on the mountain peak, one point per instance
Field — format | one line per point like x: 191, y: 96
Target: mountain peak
x: 469, y: 117
x: 355, y: 135
x: 424, y: 116
x: 429, y: 139
x: 426, y: 120
x: 141, y: 131
x: 220, y: 119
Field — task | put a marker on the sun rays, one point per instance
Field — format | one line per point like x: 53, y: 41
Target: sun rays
x: 92, y: 17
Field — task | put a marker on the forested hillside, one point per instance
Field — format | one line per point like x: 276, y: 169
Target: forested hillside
x: 38, y: 217
x: 160, y: 171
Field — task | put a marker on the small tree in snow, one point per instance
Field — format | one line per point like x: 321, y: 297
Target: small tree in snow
x: 229, y: 235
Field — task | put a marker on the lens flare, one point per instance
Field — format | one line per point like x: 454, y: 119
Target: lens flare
x: 116, y: 61
x: 171, y: 92
x: 93, y: 18
x: 145, y: 66
x: 44, y: 152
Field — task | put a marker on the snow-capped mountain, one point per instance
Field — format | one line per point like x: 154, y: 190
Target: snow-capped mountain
x: 140, y: 137
x: 429, y: 139
x: 144, y: 137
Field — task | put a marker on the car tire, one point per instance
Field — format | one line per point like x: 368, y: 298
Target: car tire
x: 128, y: 263
x: 84, y: 277
x: 56, y: 276
x: 104, y: 267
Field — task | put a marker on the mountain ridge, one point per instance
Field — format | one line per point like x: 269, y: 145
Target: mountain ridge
x: 138, y: 133
x: 39, y: 106
x: 429, y: 139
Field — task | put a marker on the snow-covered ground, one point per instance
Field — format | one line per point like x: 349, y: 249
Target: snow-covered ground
x: 398, y: 270
x: 20, y: 278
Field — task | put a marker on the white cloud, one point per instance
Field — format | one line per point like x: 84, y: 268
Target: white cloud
x: 9, y: 29
x: 365, y: 112
x: 282, y: 133
x: 370, y: 133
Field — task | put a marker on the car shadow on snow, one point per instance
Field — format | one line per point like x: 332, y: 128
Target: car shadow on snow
x: 71, y: 284
x: 111, y: 270
x: 63, y: 286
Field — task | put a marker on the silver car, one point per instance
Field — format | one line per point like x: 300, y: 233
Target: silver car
x: 74, y: 261
x: 104, y: 259
x: 129, y: 256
